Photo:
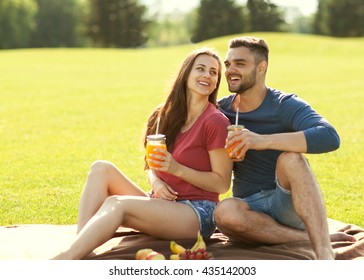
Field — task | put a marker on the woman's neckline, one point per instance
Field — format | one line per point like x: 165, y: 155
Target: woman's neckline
x: 191, y: 123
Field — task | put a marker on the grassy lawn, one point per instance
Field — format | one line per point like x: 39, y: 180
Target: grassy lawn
x: 62, y: 109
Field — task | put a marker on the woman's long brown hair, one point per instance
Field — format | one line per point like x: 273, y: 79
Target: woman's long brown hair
x: 173, y: 113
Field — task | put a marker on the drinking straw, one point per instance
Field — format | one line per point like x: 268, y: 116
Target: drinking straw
x: 158, y: 121
x: 237, y: 114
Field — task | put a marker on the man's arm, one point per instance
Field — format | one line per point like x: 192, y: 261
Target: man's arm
x: 299, y: 116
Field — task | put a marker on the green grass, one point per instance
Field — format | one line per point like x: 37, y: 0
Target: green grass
x: 62, y: 109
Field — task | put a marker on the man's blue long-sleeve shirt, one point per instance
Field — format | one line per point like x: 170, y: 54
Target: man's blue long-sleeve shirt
x: 278, y: 113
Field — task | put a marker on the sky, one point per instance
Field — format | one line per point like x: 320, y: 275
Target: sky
x: 307, y: 7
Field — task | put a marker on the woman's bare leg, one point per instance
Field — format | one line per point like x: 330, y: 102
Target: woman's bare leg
x: 155, y: 217
x: 104, y: 179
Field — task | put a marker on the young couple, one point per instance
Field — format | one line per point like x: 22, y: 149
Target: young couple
x: 276, y: 198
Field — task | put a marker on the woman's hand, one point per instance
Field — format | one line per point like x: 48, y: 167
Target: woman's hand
x: 163, y: 191
x: 164, y: 160
x: 160, y: 188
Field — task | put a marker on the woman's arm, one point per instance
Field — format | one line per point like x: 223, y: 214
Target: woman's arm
x: 160, y: 188
x: 217, y: 180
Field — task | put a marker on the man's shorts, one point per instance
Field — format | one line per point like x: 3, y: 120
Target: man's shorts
x: 276, y: 203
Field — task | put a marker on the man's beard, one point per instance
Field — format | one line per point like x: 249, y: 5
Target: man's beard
x: 246, y: 83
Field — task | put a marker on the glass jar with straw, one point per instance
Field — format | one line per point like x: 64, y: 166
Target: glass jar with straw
x: 155, y: 141
x: 231, y: 129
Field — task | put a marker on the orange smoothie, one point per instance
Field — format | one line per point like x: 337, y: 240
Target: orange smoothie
x: 230, y: 129
x: 231, y: 148
x: 156, y: 141
x: 149, y: 150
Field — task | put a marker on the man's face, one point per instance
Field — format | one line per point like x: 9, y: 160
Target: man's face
x: 241, y: 69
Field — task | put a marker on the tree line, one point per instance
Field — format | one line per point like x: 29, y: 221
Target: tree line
x: 129, y: 24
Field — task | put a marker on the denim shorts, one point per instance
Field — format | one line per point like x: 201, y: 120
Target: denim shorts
x: 276, y: 203
x: 204, y: 210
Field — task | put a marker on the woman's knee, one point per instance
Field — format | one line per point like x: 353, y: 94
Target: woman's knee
x: 114, y: 202
x: 99, y: 175
x: 101, y: 166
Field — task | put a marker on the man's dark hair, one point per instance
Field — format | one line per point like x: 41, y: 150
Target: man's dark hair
x: 257, y: 46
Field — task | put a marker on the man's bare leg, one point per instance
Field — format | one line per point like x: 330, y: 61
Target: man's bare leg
x: 349, y: 250
x: 235, y: 219
x: 294, y: 174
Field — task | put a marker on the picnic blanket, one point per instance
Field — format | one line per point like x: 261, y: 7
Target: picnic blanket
x: 44, y: 241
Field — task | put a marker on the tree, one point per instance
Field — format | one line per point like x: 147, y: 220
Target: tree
x: 171, y: 29
x: 301, y: 24
x: 16, y: 23
x: 117, y: 23
x: 341, y: 18
x: 57, y: 22
x: 346, y: 18
x: 217, y: 18
x: 320, y: 25
x: 264, y: 16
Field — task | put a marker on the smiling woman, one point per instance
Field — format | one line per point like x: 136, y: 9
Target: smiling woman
x: 204, y: 74
x: 186, y: 179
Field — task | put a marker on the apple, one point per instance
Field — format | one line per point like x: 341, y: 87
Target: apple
x: 143, y: 253
x: 155, y: 256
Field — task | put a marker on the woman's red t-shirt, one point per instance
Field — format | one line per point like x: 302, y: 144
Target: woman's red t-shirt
x: 191, y: 149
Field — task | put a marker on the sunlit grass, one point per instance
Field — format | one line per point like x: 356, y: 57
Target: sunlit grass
x: 62, y: 109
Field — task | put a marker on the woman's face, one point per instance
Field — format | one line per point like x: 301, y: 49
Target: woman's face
x: 203, y: 77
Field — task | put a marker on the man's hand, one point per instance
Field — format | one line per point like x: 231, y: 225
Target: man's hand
x: 245, y: 140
